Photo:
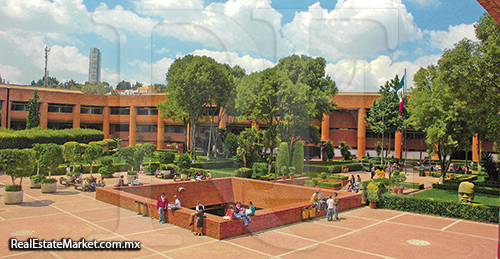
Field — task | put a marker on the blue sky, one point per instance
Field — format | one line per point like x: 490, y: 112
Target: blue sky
x: 365, y: 42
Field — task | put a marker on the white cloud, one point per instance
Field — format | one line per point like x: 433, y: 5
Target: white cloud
x: 10, y: 73
x: 231, y: 58
x: 162, y: 51
x: 362, y: 76
x: 68, y: 58
x: 426, y: 2
x: 352, y: 29
x: 153, y: 73
x: 445, y: 39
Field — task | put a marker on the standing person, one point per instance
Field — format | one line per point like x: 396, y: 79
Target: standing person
x: 197, y: 208
x: 209, y: 175
x: 161, y: 204
x: 389, y: 169
x: 176, y: 205
x: 336, y: 205
x: 358, y: 184
x: 352, y: 179
x: 80, y: 169
x: 199, y: 222
x: 68, y: 169
x: 372, y: 171
x: 329, y: 212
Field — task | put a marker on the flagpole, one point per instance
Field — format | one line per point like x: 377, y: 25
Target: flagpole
x: 404, y: 117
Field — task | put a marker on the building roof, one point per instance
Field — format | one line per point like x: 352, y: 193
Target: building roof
x: 493, y: 8
x: 45, y: 89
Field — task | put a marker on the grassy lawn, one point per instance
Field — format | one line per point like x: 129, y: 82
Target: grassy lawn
x: 449, y: 195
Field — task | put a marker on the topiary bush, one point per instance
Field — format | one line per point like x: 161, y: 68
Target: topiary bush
x: 259, y: 168
x: 13, y: 188
x: 184, y: 161
x: 167, y: 157
x: 298, y: 157
x: 283, y: 158
x: 244, y: 172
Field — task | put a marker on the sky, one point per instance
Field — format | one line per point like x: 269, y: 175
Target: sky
x: 364, y: 42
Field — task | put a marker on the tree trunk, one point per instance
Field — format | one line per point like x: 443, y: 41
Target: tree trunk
x: 210, y: 136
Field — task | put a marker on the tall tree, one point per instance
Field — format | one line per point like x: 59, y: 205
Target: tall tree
x: 50, y: 157
x: 383, y: 117
x: 193, y: 84
x: 442, y: 117
x: 33, y: 117
x: 123, y: 85
x: 97, y: 88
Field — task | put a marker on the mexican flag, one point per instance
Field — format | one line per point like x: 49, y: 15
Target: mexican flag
x: 400, y: 93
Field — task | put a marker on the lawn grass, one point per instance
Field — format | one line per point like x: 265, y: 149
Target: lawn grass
x: 449, y: 195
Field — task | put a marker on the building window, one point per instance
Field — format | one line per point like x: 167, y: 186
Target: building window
x: 175, y: 129
x: 91, y: 110
x: 60, y: 108
x: 96, y: 126
x: 18, y: 125
x: 19, y: 106
x: 121, y: 127
x: 59, y: 125
x: 147, y: 111
x: 120, y: 110
x: 146, y: 128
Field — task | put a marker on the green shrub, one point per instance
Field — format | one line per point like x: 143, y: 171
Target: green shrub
x: 412, y: 185
x: 48, y: 180
x: 214, y: 164
x: 151, y: 169
x: 298, y: 157
x: 244, y: 172
x: 167, y: 157
x: 13, y: 188
x: 184, y: 161
x: 26, y: 138
x: 315, y: 182
x: 283, y: 158
x: 338, y: 177
x: 441, y: 208
x: 284, y: 170
x: 37, y: 178
x: 259, y: 168
x: 323, y: 175
x: 122, y: 167
x: 292, y: 170
x: 106, y: 171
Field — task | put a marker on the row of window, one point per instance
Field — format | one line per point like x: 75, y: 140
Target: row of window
x: 67, y: 108
x: 151, y: 128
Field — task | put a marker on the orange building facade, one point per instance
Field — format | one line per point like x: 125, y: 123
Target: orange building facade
x: 135, y: 119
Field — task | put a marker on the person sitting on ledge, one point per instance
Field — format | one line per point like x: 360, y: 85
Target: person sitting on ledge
x: 176, y: 205
x: 251, y: 210
x: 230, y: 214
x: 135, y: 182
x: 121, y: 182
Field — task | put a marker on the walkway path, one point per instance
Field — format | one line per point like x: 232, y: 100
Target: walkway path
x: 361, y: 233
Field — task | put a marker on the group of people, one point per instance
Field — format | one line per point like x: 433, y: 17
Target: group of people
x: 330, y: 204
x: 238, y: 211
x: 90, y: 184
x: 354, y: 184
x: 122, y: 183
x: 162, y: 204
x: 198, y: 176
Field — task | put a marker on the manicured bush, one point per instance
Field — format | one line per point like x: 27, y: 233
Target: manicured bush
x: 151, y: 169
x: 333, y: 169
x: 284, y: 170
x: 37, y: 178
x: 167, y: 157
x: 283, y: 158
x: 13, y: 188
x: 338, y: 177
x: 244, y: 172
x: 412, y: 185
x: 315, y: 182
x: 107, y: 168
x: 109, y: 152
x: 184, y: 161
x: 260, y: 168
x: 48, y: 180
x: 214, y: 164
x: 298, y: 157
x: 26, y: 138
x: 441, y: 208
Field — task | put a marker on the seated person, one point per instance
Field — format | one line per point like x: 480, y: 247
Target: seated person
x: 135, y: 182
x: 251, y: 210
x: 121, y: 182
x: 238, y: 207
x: 230, y: 214
x: 349, y: 188
x: 101, y: 183
x: 176, y: 205
x: 73, y: 178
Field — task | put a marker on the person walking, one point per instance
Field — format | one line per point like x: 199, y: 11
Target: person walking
x: 329, y: 212
x: 336, y: 205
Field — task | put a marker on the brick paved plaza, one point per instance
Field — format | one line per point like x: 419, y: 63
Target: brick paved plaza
x: 361, y: 232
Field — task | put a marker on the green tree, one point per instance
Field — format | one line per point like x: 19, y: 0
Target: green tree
x: 159, y: 88
x: 194, y: 83
x: 50, y: 156
x: 383, y: 117
x: 52, y: 82
x: 127, y: 155
x: 230, y: 144
x: 91, y: 154
x: 249, y: 147
x: 72, y: 152
x: 18, y: 163
x: 33, y: 117
x: 298, y: 157
x: 97, y: 88
x: 344, y: 150
x: 283, y: 157
x: 328, y: 150
x: 148, y: 151
x: 184, y: 162
x: 167, y: 157
x: 123, y: 85
x: 378, y: 148
x: 442, y: 117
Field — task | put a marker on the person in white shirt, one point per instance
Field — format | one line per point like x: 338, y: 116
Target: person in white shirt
x: 176, y: 205
x: 329, y: 212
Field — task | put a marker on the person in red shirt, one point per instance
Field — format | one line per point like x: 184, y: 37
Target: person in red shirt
x: 161, y: 204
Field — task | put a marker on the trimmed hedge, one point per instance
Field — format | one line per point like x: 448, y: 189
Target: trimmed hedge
x: 26, y: 138
x: 334, y: 169
x: 412, y: 185
x: 440, y: 208
x: 458, y: 178
x: 477, y: 189
x: 323, y: 184
x: 260, y: 168
x: 244, y: 172
x: 338, y: 177
x: 150, y: 170
x: 214, y: 164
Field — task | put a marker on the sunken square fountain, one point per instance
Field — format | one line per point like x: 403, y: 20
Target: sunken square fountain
x: 277, y: 203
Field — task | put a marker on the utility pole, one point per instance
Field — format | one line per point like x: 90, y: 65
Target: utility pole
x: 47, y: 51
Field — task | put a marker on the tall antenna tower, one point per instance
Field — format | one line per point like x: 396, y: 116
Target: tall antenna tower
x: 47, y: 51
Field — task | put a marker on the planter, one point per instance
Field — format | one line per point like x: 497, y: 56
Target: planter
x: 13, y: 197
x: 400, y: 190
x: 283, y: 177
x: 49, y: 187
x: 373, y: 205
x: 395, y: 190
x: 34, y: 185
x: 292, y: 176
